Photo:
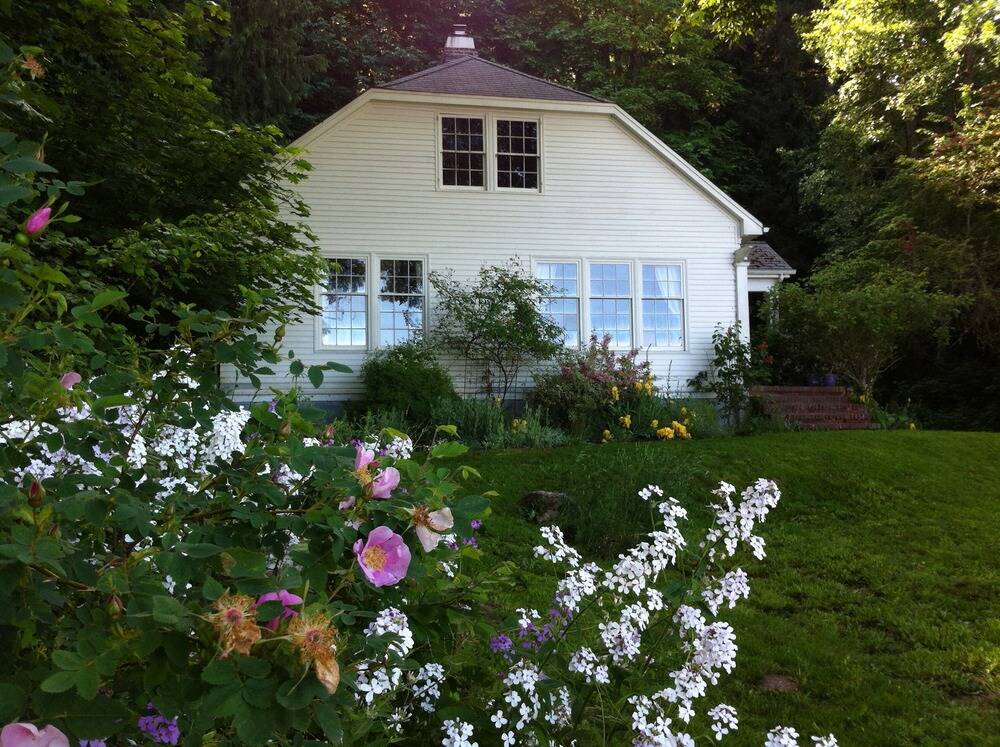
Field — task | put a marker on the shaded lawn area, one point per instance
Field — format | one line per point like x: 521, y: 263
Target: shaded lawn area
x: 880, y: 595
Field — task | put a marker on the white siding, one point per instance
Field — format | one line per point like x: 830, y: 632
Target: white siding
x: 605, y: 196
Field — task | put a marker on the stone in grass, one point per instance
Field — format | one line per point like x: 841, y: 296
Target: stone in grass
x: 779, y: 683
x: 543, y: 506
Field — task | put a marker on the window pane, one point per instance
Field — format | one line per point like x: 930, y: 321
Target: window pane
x: 662, y: 323
x: 612, y: 317
x: 462, y: 148
x: 344, y: 300
x: 401, y: 300
x: 661, y: 281
x: 610, y: 280
x: 517, y: 159
x: 562, y: 276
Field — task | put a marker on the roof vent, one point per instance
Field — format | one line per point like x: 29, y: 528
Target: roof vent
x: 459, y: 44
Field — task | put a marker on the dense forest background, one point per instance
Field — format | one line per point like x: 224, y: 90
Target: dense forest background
x: 855, y: 129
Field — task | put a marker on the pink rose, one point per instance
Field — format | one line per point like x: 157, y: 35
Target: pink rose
x: 287, y: 599
x: 28, y: 735
x: 384, y: 557
x: 385, y: 483
x: 70, y: 379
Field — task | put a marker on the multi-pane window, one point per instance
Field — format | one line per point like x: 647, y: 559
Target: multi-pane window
x: 662, y: 306
x: 611, y: 302
x: 400, y: 300
x: 345, y: 303
x: 462, y: 151
x: 563, y: 306
x: 517, y: 154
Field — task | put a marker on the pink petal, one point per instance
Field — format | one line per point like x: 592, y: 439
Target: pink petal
x: 385, y: 483
x: 288, y: 598
x: 70, y: 379
x: 441, y: 520
x: 18, y: 735
x: 363, y: 457
x: 380, y: 536
x: 428, y: 539
x: 50, y: 736
x: 346, y: 503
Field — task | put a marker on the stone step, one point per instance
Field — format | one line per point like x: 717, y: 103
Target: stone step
x: 814, y: 408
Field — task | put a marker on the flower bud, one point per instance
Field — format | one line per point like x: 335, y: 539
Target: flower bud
x: 285, y: 430
x: 37, y: 221
x: 279, y: 333
x: 114, y: 607
x: 36, y: 494
x: 329, y: 432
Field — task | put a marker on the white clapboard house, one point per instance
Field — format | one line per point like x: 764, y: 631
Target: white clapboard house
x: 470, y: 163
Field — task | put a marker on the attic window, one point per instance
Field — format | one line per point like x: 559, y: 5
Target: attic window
x: 462, y: 147
x: 517, y: 154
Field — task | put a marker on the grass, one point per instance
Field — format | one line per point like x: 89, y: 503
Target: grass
x: 880, y: 595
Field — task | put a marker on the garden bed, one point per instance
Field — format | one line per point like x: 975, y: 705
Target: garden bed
x: 875, y: 613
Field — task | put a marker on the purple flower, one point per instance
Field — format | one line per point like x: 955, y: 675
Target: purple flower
x: 37, y: 221
x: 93, y: 743
x: 272, y: 406
x: 476, y: 524
x: 70, y: 379
x: 287, y: 599
x: 384, y: 558
x: 470, y: 542
x: 501, y: 643
x: 159, y: 728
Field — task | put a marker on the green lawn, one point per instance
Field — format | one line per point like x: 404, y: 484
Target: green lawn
x: 881, y: 592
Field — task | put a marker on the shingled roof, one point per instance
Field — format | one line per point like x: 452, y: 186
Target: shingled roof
x: 764, y: 259
x: 473, y: 76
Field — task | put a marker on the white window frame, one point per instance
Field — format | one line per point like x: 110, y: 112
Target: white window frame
x: 634, y: 316
x: 639, y: 298
x: 489, y: 118
x: 377, y: 319
x: 373, y: 330
x: 582, y: 334
x: 438, y: 150
x: 494, y: 152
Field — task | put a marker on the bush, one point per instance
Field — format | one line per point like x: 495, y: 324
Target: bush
x: 408, y: 380
x: 736, y: 366
x: 496, y: 324
x: 602, y: 396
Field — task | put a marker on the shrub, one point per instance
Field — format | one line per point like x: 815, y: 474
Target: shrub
x: 408, y: 380
x: 856, y: 315
x: 602, y: 396
x: 735, y: 367
x: 495, y: 324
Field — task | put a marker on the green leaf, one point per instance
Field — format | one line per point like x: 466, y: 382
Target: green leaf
x: 198, y: 550
x: 339, y: 367
x: 27, y: 165
x: 316, y: 376
x: 295, y: 368
x: 12, y: 700
x: 11, y: 193
x: 167, y: 610
x: 106, y: 298
x: 59, y: 682
x: 448, y: 449
x: 329, y: 721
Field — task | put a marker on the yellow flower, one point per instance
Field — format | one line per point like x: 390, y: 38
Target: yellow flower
x: 654, y: 424
x: 665, y: 433
x: 626, y: 421
x: 684, y: 412
x: 637, y: 386
x: 861, y: 398
x: 681, y: 430
x: 614, y: 393
x: 519, y: 425
x: 913, y: 426
x: 606, y: 436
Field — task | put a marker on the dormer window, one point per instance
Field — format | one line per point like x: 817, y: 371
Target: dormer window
x: 517, y: 154
x: 462, y: 152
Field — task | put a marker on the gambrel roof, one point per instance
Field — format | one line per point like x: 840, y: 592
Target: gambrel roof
x: 474, y: 76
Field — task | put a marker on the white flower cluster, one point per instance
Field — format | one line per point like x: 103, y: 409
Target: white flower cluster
x: 786, y: 736
x: 723, y: 720
x: 378, y: 678
x: 585, y: 662
x: 557, y: 551
x: 457, y: 733
x: 652, y: 727
x: 732, y: 587
x: 735, y: 523
x: 399, y: 448
x: 426, y: 685
x: 575, y: 586
x: 226, y: 437
x: 523, y: 704
x: 649, y: 491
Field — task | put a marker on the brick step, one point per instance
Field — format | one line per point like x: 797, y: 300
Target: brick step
x: 831, y: 391
x: 814, y: 408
